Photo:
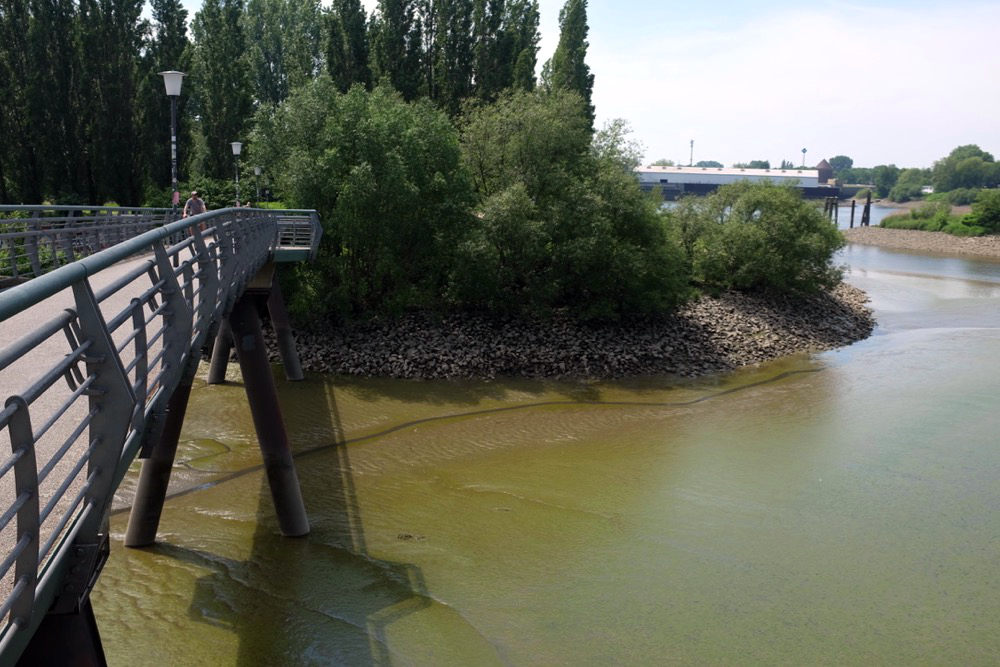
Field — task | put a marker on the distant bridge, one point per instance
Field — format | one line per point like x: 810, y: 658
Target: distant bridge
x: 102, y: 324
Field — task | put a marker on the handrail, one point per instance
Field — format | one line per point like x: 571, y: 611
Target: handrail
x: 101, y: 343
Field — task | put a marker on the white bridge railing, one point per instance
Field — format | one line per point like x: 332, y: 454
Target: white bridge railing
x: 109, y: 308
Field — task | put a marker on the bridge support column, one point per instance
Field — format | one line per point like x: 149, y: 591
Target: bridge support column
x: 154, y: 478
x: 263, y: 398
x: 283, y: 333
x: 66, y: 639
x: 220, y: 354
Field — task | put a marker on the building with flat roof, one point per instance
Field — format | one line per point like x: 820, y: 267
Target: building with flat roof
x: 675, y: 181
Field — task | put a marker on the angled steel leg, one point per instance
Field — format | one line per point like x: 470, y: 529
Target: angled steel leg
x: 263, y: 398
x: 154, y: 478
x: 220, y: 354
x: 283, y: 333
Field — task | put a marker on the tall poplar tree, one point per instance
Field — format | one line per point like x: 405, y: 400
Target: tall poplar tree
x: 20, y: 176
x: 54, y: 83
x: 521, y: 30
x: 568, y: 68
x: 283, y: 39
x: 347, y: 52
x: 453, y: 55
x: 167, y: 49
x: 221, y: 93
x: 397, y: 46
x: 110, y: 35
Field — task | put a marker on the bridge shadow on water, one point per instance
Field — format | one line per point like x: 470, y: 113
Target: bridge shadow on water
x: 319, y: 599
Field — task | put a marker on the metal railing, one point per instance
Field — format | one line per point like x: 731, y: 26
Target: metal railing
x: 99, y: 345
x: 37, y: 239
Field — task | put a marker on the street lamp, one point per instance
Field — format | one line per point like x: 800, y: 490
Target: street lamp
x: 803, y: 158
x: 172, y: 82
x: 237, y: 148
x: 256, y: 172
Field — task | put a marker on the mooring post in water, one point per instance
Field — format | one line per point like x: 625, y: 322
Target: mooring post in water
x: 283, y: 333
x: 263, y: 398
x: 866, y: 214
x: 154, y: 478
x: 853, y: 202
x: 220, y: 354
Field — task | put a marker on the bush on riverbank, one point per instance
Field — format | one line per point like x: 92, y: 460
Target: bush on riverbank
x: 751, y: 236
x: 935, y: 217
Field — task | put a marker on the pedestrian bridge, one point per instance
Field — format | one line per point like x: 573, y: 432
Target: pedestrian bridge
x: 103, y: 318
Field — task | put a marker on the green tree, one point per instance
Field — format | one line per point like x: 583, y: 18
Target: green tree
x: 54, y: 86
x: 568, y: 68
x: 839, y: 163
x: 966, y: 166
x: 709, y: 163
x: 909, y: 185
x: 397, y: 47
x: 453, y: 54
x: 283, y: 39
x: 387, y: 180
x: 165, y: 50
x: 563, y: 222
x: 751, y: 236
x: 106, y: 118
x: 753, y: 164
x: 347, y: 53
x: 505, y: 36
x: 986, y: 210
x: 884, y: 178
x: 220, y: 84
x: 21, y: 177
x: 521, y: 32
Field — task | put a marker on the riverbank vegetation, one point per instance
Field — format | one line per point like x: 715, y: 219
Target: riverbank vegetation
x: 519, y: 208
x: 446, y: 176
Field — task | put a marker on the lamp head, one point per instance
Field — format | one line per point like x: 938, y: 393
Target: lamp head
x: 237, y: 147
x: 172, y: 82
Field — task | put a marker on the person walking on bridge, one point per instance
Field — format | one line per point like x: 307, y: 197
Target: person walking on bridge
x: 194, y: 205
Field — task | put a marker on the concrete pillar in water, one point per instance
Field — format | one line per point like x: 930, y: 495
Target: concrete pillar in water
x: 263, y: 398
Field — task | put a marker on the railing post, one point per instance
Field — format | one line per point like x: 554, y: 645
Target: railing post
x: 22, y: 442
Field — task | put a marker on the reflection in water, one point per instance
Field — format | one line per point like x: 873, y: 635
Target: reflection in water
x: 840, y: 509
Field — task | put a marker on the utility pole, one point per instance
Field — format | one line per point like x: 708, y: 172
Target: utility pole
x: 691, y: 160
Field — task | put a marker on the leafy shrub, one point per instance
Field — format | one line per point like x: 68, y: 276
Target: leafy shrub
x: 758, y: 235
x: 563, y: 224
x: 961, y: 197
x: 387, y: 181
x: 986, y: 210
x: 960, y: 228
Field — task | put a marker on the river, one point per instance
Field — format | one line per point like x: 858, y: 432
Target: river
x: 834, y: 509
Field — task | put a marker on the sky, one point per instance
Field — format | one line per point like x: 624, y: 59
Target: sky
x: 884, y: 81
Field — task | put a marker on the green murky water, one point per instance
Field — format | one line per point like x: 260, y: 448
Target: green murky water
x: 839, y: 509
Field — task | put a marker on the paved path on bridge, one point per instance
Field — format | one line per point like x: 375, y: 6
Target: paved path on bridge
x: 20, y: 375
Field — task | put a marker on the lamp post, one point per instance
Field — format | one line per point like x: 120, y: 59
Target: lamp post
x: 256, y: 173
x: 237, y: 148
x: 803, y: 158
x: 172, y: 82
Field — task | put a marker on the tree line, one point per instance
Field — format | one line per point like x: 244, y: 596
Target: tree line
x: 85, y: 118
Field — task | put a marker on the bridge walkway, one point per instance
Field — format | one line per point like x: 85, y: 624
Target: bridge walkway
x: 96, y: 340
